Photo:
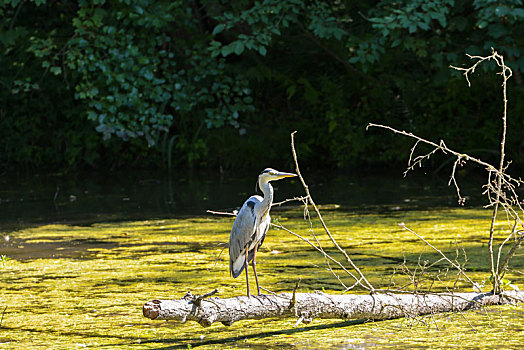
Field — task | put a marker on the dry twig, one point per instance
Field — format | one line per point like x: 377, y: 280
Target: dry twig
x: 500, y: 188
x: 367, y: 285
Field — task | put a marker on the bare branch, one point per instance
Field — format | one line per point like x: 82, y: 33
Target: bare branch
x: 442, y: 146
x: 500, y: 188
x: 511, y: 252
x: 289, y: 200
x: 455, y: 265
x: 367, y: 285
x: 234, y: 213
x: 320, y: 250
x: 506, y: 73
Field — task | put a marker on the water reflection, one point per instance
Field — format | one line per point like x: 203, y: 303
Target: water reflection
x: 124, y: 196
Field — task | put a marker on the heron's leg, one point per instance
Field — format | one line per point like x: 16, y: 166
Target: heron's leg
x: 247, y: 276
x: 255, y: 267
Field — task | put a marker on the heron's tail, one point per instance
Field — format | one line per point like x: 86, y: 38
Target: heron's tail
x: 236, y: 267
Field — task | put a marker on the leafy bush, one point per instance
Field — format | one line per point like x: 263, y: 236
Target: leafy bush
x: 207, y: 83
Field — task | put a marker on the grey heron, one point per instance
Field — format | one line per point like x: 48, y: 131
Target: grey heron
x: 251, y: 225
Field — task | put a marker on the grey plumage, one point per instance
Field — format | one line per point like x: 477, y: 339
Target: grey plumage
x: 246, y: 232
x: 251, y: 225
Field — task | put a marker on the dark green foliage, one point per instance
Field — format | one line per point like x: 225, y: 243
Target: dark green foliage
x: 145, y: 69
x: 206, y: 83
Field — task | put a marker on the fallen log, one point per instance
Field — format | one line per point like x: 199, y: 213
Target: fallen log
x: 206, y: 310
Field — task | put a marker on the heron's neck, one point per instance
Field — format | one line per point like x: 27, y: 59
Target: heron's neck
x: 267, y: 189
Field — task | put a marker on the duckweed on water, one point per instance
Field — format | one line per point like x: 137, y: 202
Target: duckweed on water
x: 84, y: 287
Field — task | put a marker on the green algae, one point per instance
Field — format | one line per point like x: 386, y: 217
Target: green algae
x: 84, y: 286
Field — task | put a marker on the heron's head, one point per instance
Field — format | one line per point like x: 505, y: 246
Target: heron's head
x: 271, y: 174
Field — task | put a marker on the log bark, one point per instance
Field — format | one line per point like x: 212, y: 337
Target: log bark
x: 306, y: 306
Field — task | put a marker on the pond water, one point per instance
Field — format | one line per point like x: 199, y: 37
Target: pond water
x: 81, y: 255
x: 110, y: 196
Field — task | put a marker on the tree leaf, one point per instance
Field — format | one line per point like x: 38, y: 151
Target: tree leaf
x: 219, y: 28
x: 239, y: 47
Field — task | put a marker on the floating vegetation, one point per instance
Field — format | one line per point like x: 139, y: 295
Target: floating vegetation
x: 84, y: 286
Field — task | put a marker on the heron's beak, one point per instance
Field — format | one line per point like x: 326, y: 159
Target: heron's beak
x: 281, y: 175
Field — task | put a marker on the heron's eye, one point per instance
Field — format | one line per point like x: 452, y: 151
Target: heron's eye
x: 272, y: 173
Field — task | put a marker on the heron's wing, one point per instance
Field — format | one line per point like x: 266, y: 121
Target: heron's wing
x: 242, y: 232
x: 263, y: 227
